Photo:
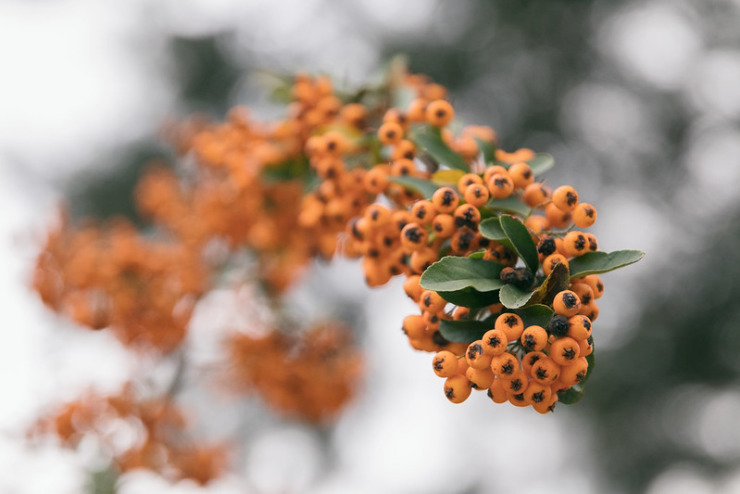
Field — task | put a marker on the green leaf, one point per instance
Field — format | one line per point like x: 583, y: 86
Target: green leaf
x: 491, y: 229
x: 571, y: 395
x: 521, y: 240
x: 470, y: 297
x: 509, y: 205
x: 535, y: 315
x: 478, y: 254
x: 487, y: 149
x: 455, y: 273
x: 295, y: 169
x: 602, y: 262
x: 416, y: 184
x: 464, y: 331
x: 516, y: 298
x: 430, y: 141
x: 541, y: 163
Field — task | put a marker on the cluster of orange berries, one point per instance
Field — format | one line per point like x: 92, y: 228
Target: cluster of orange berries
x: 145, y: 290
x: 160, y: 444
x: 310, y: 375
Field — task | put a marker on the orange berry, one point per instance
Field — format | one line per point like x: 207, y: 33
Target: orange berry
x: 579, y: 327
x: 431, y: 301
x: 444, y: 364
x: 536, y: 194
x: 467, y: 215
x: 500, y: 186
x: 416, y: 111
x: 521, y: 174
x: 516, y: 383
x: 422, y: 259
x: 403, y: 150
x: 375, y: 180
x: 445, y: 200
x: 476, y: 195
x: 575, y: 244
x: 414, y: 326
x: 537, y: 393
x: 497, y: 392
x: 491, y: 171
x: 412, y: 287
x: 545, y: 371
x: 457, y: 388
x: 377, y: 216
x: 467, y: 180
x: 439, y: 113
x: 511, y: 325
x: 494, y: 342
x: 443, y: 225
x: 574, y: 373
x: 504, y: 365
x: 480, y: 378
x: 476, y: 357
x: 534, y: 338
x: 565, y: 198
x: 423, y: 212
x: 584, y: 292
x: 566, y: 303
x: 551, y: 261
x: 557, y: 217
x: 403, y: 168
x: 584, y: 215
x: 564, y: 351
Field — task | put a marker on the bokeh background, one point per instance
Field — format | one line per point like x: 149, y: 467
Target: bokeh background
x: 639, y: 102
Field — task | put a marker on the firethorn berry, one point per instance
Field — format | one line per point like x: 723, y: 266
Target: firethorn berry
x: 467, y: 215
x: 545, y: 371
x: 412, y: 287
x: 443, y: 225
x: 377, y: 215
x: 537, y: 224
x: 467, y: 180
x: 476, y: 357
x: 445, y: 199
x: 534, y: 338
x: 416, y: 111
x: 390, y: 133
x: 530, y: 359
x: 480, y: 378
x: 566, y: 303
x: 546, y: 247
x: 422, y: 259
x: 511, y: 325
x: 557, y: 217
x: 414, y: 326
x: 445, y: 364
x: 579, y: 327
x: 516, y: 383
x: 518, y: 399
x: 559, y: 326
x: 536, y: 194
x: 376, y: 181
x: 591, y: 311
x: 564, y: 351
x: 476, y: 195
x: 403, y: 149
x: 584, y: 292
x: 575, y: 372
x: 457, y: 388
x: 584, y: 215
x: 537, y: 393
x: 586, y: 346
x: 439, y: 113
x: 395, y: 115
x: 504, y: 365
x: 594, y: 281
x: 431, y: 301
x: 494, y: 342
x: 463, y: 240
x: 575, y: 244
x: 553, y: 260
x: 414, y: 237
x: 500, y: 185
x: 521, y: 174
x: 565, y: 198
x: 497, y: 391
x: 423, y: 212
x: 492, y: 170
x: 431, y: 318
x: 593, y: 244
x: 403, y: 168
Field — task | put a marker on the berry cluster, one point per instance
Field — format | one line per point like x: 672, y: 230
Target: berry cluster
x: 308, y: 375
x: 162, y: 445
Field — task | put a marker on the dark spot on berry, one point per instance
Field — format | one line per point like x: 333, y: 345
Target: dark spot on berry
x: 600, y: 286
x: 559, y: 326
x: 473, y: 385
x: 571, y: 198
x: 580, y: 242
x: 546, y: 246
x: 580, y: 377
x: 569, y: 353
x: 589, y: 212
x: 570, y: 300
x: 441, y: 113
x: 373, y: 252
x: 449, y: 393
x: 519, y: 397
x: 474, y: 350
x: 533, y: 359
x: 490, y: 395
x: 541, y: 373
x: 500, y: 182
x: 447, y: 197
x: 421, y: 213
x: 516, y: 384
x: 507, y: 368
x: 494, y: 341
x: 428, y: 300
x: 483, y: 242
x: 374, y: 215
x: 586, y: 323
x: 538, y: 397
x: 438, y: 363
x: 529, y: 342
x: 511, y: 320
x: 439, y: 340
x: 413, y: 234
x: 527, y: 174
x: 586, y: 299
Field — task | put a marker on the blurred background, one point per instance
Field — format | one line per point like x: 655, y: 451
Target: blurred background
x: 639, y: 102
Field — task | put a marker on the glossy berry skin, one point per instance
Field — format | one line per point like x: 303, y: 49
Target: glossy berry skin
x: 566, y: 303
x: 565, y: 198
x: 584, y: 215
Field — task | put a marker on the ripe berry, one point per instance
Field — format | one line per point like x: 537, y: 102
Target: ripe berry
x: 521, y: 174
x: 445, y: 364
x: 439, y: 113
x: 467, y: 180
x: 575, y: 372
x: 579, y: 327
x: 476, y: 357
x: 467, y: 215
x: 457, y: 388
x: 553, y: 260
x: 443, y: 225
x: 414, y: 237
x: 564, y: 351
x: 559, y: 326
x: 500, y: 185
x: 494, y: 342
x: 445, y: 200
x: 504, y: 365
x: 565, y: 198
x: 476, y: 195
x: 536, y: 194
x: 511, y: 325
x: 534, y: 338
x: 584, y: 215
x: 575, y: 244
x: 480, y: 378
